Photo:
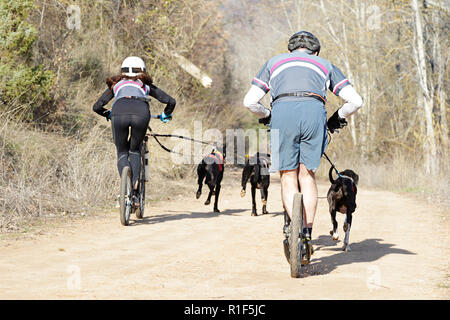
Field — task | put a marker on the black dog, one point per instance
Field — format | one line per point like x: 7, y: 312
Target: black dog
x: 211, y: 170
x: 342, y: 198
x: 257, y: 170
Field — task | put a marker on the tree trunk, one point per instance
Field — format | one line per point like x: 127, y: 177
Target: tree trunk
x: 419, y: 50
x: 441, y: 95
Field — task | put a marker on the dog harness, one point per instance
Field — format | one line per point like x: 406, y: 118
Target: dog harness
x: 261, y: 159
x: 219, y: 157
x: 265, y: 162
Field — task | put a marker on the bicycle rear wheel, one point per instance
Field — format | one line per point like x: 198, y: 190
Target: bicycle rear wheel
x: 294, y: 237
x: 125, y: 196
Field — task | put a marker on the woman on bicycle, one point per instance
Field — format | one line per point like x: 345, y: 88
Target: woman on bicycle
x: 130, y: 109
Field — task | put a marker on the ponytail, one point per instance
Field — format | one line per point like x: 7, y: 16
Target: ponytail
x: 145, y: 78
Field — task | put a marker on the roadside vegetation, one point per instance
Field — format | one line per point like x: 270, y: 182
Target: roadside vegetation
x: 395, y: 53
x: 57, y: 156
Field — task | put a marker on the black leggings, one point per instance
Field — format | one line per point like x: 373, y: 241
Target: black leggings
x: 128, y: 150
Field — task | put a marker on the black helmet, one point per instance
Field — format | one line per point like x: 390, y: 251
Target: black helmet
x: 304, y: 39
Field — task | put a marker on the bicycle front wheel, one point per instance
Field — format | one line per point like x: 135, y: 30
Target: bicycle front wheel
x: 294, y: 237
x: 125, y: 196
x: 140, y: 210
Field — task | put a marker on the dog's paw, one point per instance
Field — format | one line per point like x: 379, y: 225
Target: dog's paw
x: 334, y: 235
x: 198, y: 194
x: 242, y: 193
x: 345, y: 226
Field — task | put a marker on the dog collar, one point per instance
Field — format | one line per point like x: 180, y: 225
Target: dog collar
x: 351, y: 179
x: 347, y: 177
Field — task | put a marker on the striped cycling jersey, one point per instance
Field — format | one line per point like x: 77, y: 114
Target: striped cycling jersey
x: 130, y: 88
x: 299, y: 71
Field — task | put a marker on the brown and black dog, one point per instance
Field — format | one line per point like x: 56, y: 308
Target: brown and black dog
x: 257, y: 170
x: 342, y: 198
x: 211, y: 170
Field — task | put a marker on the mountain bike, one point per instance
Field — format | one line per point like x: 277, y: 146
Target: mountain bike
x: 127, y: 206
x: 297, y: 249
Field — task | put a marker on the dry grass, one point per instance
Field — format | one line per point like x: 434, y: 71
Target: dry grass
x: 73, y: 170
x: 400, y: 173
x: 44, y: 174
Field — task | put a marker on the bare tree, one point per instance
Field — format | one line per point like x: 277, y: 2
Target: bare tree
x: 427, y: 90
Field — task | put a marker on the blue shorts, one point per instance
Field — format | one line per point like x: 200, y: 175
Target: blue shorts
x: 298, y: 134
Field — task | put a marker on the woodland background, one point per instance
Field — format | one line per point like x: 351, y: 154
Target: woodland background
x: 57, y: 157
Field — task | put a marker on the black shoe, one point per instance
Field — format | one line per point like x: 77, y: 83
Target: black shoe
x: 286, y: 231
x: 287, y: 223
x: 303, y: 250
x: 136, y: 199
x: 286, y: 249
x: 307, y: 250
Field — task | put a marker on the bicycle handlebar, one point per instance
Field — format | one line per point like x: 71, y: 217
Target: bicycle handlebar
x: 159, y: 117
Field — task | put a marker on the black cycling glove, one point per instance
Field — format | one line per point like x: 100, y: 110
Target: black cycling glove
x: 107, y: 115
x: 265, y: 121
x: 336, y: 122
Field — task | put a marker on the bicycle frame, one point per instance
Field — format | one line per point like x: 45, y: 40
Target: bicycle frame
x: 145, y: 156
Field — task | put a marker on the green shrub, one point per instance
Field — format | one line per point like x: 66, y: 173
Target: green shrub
x: 22, y: 84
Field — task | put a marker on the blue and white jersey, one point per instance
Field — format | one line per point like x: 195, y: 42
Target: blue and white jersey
x: 299, y: 71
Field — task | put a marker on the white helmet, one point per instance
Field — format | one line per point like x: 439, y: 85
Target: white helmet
x: 132, y: 66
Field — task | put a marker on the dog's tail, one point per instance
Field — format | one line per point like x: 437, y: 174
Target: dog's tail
x: 330, y: 175
x: 246, y: 173
x: 257, y: 167
x: 257, y: 171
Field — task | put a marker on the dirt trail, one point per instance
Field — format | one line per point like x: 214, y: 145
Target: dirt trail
x: 182, y: 250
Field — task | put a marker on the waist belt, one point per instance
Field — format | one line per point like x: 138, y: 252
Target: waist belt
x: 143, y: 99
x: 301, y: 94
